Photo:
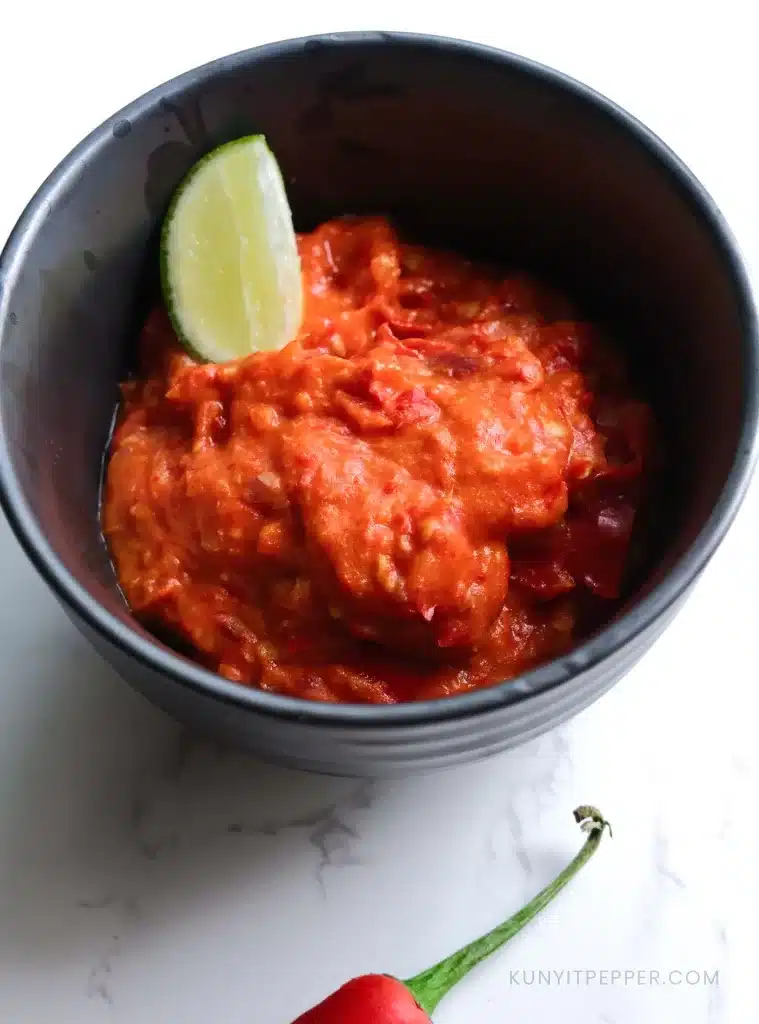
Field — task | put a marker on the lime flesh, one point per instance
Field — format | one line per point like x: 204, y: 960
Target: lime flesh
x: 230, y: 268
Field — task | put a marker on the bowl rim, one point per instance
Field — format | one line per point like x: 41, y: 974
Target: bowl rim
x: 559, y: 672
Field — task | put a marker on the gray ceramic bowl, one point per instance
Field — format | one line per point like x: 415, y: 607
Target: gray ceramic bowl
x: 489, y: 152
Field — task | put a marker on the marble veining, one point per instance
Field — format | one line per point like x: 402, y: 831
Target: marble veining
x: 145, y: 869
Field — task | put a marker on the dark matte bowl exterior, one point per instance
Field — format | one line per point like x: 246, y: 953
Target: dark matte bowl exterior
x: 479, y: 148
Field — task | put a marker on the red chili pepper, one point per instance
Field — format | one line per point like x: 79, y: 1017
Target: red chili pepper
x: 381, y: 999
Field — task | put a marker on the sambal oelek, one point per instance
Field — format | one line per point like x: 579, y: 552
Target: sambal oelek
x: 431, y: 489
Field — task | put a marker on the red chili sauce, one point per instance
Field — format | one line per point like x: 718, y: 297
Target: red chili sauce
x: 424, y: 493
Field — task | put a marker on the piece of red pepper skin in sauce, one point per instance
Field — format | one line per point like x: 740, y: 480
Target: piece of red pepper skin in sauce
x: 381, y: 999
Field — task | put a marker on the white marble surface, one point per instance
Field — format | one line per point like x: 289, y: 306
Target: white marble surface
x: 146, y: 877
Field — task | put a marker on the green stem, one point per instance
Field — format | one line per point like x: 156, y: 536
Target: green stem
x: 429, y: 987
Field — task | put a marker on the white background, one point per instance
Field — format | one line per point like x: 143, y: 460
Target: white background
x: 150, y: 879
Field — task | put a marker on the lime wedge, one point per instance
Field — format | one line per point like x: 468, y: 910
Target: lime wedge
x: 230, y: 268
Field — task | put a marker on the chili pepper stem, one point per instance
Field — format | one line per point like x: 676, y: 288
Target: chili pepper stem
x: 430, y: 986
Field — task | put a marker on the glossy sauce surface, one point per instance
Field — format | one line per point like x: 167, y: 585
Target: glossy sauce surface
x: 431, y: 489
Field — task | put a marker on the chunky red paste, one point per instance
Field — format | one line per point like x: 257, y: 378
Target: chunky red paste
x: 430, y: 490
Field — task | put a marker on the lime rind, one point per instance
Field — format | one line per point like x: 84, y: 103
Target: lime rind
x: 230, y: 269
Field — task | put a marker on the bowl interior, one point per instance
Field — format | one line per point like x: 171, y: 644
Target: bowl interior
x: 485, y: 153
